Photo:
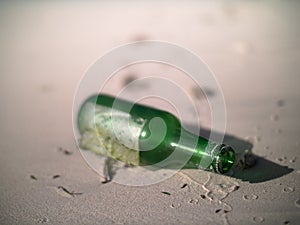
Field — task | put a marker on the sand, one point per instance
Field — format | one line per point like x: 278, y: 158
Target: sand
x: 253, y: 50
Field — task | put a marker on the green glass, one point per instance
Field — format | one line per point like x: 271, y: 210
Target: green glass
x: 128, y: 132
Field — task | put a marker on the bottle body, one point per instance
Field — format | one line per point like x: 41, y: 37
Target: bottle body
x: 142, y: 135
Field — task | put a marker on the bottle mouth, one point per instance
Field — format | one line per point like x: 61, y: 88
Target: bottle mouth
x: 224, y: 159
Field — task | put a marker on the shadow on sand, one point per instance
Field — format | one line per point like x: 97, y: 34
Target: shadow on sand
x: 262, y: 169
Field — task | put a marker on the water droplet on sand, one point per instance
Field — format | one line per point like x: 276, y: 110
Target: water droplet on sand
x: 297, y: 202
x: 258, y: 219
x: 250, y: 197
x: 288, y: 189
x: 274, y: 117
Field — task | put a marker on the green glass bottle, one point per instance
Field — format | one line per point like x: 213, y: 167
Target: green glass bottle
x: 140, y: 135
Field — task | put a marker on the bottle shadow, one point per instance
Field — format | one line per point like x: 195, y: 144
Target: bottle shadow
x: 248, y: 167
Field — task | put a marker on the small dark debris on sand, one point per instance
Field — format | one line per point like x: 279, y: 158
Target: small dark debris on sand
x: 203, y: 196
x: 56, y: 176
x: 128, y: 166
x: 65, y: 151
x: 128, y: 79
x: 106, y: 181
x: 166, y: 193
x: 72, y: 193
x: 236, y: 188
x: 33, y: 177
x: 218, y: 210
x: 184, y: 185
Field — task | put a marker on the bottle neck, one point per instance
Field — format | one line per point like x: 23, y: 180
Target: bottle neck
x: 204, y: 154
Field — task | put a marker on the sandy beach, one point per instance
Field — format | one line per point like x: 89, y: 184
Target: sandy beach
x: 252, y: 49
